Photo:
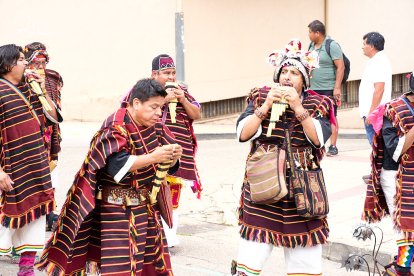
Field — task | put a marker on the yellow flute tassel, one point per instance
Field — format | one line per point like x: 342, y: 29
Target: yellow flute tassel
x: 172, y: 106
x: 160, y: 175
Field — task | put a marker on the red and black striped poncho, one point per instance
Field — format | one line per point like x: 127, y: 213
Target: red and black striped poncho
x: 116, y: 240
x: 184, y: 135
x: 23, y: 157
x: 375, y: 207
x: 278, y: 223
x: 53, y: 84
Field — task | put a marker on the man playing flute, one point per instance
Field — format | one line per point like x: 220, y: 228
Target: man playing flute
x: 308, y: 117
x: 108, y: 223
x: 180, y: 123
x: 26, y: 194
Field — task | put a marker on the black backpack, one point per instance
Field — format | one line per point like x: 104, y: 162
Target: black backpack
x: 347, y: 63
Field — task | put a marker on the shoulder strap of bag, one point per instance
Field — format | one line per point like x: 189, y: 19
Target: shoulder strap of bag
x: 408, y: 104
x: 164, y: 115
x: 288, y: 132
x: 328, y: 46
x: 23, y: 97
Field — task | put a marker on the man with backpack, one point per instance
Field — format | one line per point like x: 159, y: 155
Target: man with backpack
x: 327, y: 79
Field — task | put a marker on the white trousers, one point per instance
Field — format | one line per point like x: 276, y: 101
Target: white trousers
x: 171, y: 233
x: 389, y: 186
x: 29, y: 238
x: 300, y: 260
x: 54, y: 175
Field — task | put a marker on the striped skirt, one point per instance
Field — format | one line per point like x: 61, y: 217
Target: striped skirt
x: 132, y: 241
x: 278, y: 223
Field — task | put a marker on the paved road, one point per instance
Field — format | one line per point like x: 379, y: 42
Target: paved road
x: 208, y: 230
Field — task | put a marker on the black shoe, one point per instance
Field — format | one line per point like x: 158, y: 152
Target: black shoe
x: 233, y: 270
x: 51, y: 221
x: 395, y: 270
x: 332, y: 151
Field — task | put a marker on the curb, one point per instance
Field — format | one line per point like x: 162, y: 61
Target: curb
x: 217, y: 136
x: 352, y: 136
x: 339, y: 252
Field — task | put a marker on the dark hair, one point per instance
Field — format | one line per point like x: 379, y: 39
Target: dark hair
x: 375, y: 39
x: 145, y: 89
x: 32, y: 47
x: 9, y: 54
x: 317, y: 26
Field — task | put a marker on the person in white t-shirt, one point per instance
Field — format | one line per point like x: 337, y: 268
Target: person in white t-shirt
x: 375, y: 86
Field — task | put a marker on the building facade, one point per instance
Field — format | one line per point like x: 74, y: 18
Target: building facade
x: 102, y: 48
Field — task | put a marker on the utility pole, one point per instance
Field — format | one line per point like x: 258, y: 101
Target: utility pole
x: 179, y: 42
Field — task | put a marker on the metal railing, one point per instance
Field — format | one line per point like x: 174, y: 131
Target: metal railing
x: 349, y: 98
x: 350, y: 90
x: 223, y: 107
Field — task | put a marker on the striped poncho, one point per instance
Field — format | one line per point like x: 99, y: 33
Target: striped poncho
x: 278, y: 223
x: 184, y: 135
x: 375, y: 207
x: 93, y: 235
x: 23, y: 157
x: 53, y: 84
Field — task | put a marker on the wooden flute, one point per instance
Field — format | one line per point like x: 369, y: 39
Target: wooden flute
x: 278, y: 108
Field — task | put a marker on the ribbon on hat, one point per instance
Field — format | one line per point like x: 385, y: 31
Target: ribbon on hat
x: 293, y: 49
x: 38, y: 55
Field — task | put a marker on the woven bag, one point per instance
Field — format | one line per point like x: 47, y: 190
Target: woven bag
x: 310, y: 193
x: 266, y: 174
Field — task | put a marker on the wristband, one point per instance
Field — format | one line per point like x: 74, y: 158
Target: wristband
x: 302, y: 116
x: 259, y: 114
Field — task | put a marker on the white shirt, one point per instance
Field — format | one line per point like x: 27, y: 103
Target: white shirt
x: 378, y: 69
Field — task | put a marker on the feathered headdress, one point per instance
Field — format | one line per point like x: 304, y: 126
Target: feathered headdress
x: 293, y: 55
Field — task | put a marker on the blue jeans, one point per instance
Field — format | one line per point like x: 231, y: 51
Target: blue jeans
x: 369, y: 129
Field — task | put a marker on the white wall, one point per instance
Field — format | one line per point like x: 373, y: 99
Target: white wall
x: 101, y: 48
x: 349, y: 20
x: 228, y: 42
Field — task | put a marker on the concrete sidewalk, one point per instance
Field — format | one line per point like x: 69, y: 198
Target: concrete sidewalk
x: 346, y: 197
x: 350, y: 126
x: 208, y: 230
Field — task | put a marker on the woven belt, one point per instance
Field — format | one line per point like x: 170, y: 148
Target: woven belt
x: 123, y: 196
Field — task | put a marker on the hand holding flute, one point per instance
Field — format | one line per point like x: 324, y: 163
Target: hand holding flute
x: 35, y: 80
x: 162, y: 169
